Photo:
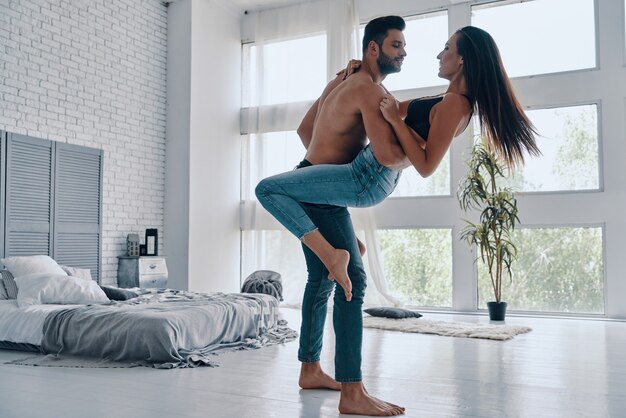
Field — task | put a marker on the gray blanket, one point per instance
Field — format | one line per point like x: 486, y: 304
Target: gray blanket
x: 166, y: 328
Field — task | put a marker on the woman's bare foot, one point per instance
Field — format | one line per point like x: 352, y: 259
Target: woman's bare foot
x: 338, y: 271
x: 335, y: 260
x: 356, y: 401
x: 313, y: 377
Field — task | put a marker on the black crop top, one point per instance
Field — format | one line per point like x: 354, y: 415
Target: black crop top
x: 418, y: 114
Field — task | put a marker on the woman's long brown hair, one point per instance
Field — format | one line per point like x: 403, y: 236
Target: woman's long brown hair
x: 503, y: 123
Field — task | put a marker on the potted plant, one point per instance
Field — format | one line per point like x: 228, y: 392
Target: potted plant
x: 498, y: 215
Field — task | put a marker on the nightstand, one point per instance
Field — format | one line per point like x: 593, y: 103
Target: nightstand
x: 141, y: 272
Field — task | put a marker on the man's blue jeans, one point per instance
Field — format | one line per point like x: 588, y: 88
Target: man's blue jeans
x: 335, y: 225
x: 363, y: 182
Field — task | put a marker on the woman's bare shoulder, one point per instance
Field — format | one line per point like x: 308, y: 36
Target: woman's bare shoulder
x: 452, y: 98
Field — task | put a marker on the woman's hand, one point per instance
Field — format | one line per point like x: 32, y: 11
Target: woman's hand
x: 390, y: 108
x: 352, y: 67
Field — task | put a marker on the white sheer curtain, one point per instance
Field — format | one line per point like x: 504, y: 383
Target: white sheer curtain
x: 377, y: 293
x: 344, y: 44
x: 262, y: 116
x: 269, y: 125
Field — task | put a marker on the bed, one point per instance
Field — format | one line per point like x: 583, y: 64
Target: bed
x: 72, y: 317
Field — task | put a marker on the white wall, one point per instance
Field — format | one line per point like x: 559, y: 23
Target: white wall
x: 203, y: 152
x: 94, y: 74
x: 176, y: 213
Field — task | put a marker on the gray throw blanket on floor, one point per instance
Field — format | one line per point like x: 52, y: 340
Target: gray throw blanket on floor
x: 166, y: 328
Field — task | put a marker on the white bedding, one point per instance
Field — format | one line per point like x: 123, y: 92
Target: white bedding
x: 24, y: 325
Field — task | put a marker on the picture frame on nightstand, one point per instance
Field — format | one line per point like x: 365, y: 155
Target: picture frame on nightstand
x: 152, y: 242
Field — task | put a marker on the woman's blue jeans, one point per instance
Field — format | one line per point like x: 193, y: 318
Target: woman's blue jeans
x: 363, y: 182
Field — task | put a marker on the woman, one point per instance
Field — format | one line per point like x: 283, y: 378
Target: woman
x: 471, y: 62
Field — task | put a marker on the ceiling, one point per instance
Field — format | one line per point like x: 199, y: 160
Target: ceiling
x: 253, y: 5
x: 240, y: 6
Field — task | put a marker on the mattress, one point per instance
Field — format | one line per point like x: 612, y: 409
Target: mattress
x: 24, y: 325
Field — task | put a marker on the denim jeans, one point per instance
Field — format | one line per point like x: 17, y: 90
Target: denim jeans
x: 363, y: 182
x: 335, y: 224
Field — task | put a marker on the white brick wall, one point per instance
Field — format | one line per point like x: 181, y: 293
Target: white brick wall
x: 92, y: 73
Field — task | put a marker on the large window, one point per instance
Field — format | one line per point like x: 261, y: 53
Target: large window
x: 277, y: 74
x: 558, y: 270
x: 541, y: 36
x: 270, y: 153
x: 285, y: 63
x: 564, y: 58
x: 568, y: 140
x: 418, y: 265
x: 412, y: 184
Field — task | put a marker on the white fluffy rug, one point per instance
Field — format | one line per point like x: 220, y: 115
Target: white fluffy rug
x: 449, y: 329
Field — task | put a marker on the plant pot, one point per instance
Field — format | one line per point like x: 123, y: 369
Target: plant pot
x: 497, y: 311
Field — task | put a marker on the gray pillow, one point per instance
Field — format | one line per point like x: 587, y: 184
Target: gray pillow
x: 115, y: 293
x: 395, y: 313
x: 3, y: 291
x: 264, y: 281
x: 9, y: 284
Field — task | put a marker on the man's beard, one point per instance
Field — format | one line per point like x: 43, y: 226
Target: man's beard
x: 386, y: 64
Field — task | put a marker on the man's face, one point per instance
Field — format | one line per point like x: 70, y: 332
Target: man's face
x: 392, y: 53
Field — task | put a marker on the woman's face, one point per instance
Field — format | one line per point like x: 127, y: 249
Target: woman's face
x: 450, y: 62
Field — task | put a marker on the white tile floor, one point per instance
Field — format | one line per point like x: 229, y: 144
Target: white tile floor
x: 563, y: 368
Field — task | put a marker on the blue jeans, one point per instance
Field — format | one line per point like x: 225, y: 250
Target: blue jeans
x: 363, y: 182
x: 335, y: 225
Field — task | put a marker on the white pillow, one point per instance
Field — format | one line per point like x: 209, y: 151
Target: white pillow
x: 23, y: 265
x: 41, y: 288
x: 77, y: 272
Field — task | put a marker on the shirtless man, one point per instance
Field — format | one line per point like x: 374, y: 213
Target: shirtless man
x: 334, y: 131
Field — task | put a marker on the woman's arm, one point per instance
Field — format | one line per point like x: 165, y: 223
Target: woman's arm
x: 449, y: 113
x: 403, y: 108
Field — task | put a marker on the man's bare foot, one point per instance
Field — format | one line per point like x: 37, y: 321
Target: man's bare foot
x: 356, y: 401
x: 338, y: 271
x: 313, y: 377
x: 361, y: 247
